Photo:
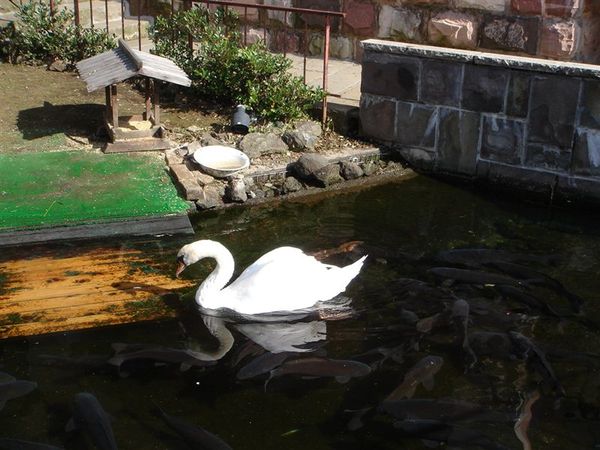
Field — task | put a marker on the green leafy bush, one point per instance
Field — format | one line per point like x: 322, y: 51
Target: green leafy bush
x: 40, y: 36
x: 223, y: 70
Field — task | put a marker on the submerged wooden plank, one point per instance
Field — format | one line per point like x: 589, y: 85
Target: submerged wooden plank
x: 98, y: 287
x: 170, y: 224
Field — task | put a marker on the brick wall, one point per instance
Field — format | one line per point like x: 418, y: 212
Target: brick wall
x: 527, y: 123
x: 558, y: 29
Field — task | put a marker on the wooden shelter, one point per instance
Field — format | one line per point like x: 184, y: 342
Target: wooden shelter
x: 139, y: 132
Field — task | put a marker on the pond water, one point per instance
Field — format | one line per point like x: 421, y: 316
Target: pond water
x: 505, y: 355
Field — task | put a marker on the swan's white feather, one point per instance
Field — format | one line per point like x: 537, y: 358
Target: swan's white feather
x: 284, y: 279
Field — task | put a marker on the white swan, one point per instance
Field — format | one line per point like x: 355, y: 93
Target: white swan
x: 284, y: 279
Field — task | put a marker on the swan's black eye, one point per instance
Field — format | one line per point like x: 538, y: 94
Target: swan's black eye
x: 180, y: 259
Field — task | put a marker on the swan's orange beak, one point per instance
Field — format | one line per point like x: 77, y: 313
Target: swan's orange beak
x: 180, y: 267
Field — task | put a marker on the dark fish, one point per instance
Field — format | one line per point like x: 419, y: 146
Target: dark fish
x: 422, y: 372
x: 428, y: 324
x: 18, y: 444
x: 460, y: 317
x: 491, y: 343
x: 526, y: 299
x: 195, y: 437
x: 90, y: 418
x: 15, y: 388
x: 525, y: 348
x: 452, y: 435
x: 439, y: 409
x: 472, y: 256
x: 262, y: 364
x: 474, y: 276
x: 522, y: 423
x: 342, y: 370
x: 536, y: 278
x: 186, y: 359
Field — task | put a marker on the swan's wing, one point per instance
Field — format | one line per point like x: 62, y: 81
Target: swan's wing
x: 280, y: 258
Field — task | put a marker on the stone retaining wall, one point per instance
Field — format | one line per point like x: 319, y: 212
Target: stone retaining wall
x: 522, y: 122
x: 557, y: 29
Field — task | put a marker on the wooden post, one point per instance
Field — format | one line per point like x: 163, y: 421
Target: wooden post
x: 148, y: 98
x: 156, y: 101
x: 108, y: 114
x: 114, y: 105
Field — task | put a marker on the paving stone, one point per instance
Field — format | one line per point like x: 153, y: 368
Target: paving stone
x: 563, y: 8
x: 517, y: 100
x: 511, y: 33
x: 453, y: 29
x: 172, y: 157
x: 377, y: 118
x: 318, y: 21
x: 488, y: 5
x: 590, y: 107
x: 440, y: 83
x: 416, y: 125
x: 552, y: 110
x: 558, y: 39
x: 527, y: 6
x: 191, y: 189
x: 392, y: 76
x: 502, y: 139
x: 400, y: 23
x: 484, y: 88
x: 360, y: 17
x: 181, y: 173
x: 546, y: 156
x: 586, y: 153
x: 457, y: 144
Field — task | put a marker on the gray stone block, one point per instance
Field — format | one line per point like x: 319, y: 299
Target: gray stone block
x: 377, y: 118
x: 393, y: 76
x: 590, y: 104
x: 517, y: 99
x: 550, y: 157
x: 484, y: 88
x: 502, y: 139
x: 577, y: 189
x: 517, y: 179
x: 416, y: 125
x: 586, y: 153
x: 419, y: 158
x: 552, y: 110
x: 457, y: 144
x: 440, y: 83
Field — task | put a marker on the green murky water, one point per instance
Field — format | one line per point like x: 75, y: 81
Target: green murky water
x: 404, y: 227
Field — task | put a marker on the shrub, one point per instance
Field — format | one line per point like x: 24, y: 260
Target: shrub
x: 40, y: 36
x: 223, y: 70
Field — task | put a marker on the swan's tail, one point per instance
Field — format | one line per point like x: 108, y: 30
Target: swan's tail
x: 351, y: 271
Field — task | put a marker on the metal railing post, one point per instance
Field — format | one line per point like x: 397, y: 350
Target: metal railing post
x: 325, y: 67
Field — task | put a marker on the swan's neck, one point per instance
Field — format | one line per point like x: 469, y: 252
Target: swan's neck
x: 208, y: 294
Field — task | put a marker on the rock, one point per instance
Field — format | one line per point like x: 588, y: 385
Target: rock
x: 172, y: 157
x: 308, y: 164
x: 203, y: 179
x: 291, y: 184
x: 235, y: 191
x: 453, y: 29
x: 304, y: 136
x: 369, y: 168
x: 208, y: 139
x: 350, y: 170
x: 257, y: 144
x: 57, y: 66
x: 194, y: 129
x: 328, y: 175
x: 210, y: 198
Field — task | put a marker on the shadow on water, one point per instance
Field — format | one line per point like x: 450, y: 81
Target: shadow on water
x: 474, y: 324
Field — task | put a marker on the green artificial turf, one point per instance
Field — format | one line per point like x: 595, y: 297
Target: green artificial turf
x: 75, y: 187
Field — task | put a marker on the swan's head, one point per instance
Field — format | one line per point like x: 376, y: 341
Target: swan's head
x: 194, y: 252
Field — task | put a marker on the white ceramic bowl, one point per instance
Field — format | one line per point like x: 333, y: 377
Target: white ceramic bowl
x: 221, y: 161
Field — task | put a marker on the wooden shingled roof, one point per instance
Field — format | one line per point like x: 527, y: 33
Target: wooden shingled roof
x: 124, y: 62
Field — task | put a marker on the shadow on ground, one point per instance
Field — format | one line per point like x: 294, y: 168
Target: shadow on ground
x: 47, y: 120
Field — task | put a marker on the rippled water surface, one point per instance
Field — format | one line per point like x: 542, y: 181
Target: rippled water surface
x: 438, y: 361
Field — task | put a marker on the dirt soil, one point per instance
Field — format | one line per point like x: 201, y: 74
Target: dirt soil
x: 43, y: 111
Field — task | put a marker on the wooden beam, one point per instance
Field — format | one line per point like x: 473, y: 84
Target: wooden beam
x: 148, y: 99
x: 114, y: 105
x: 156, y: 101
x: 108, y: 113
